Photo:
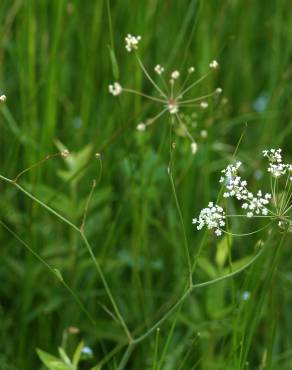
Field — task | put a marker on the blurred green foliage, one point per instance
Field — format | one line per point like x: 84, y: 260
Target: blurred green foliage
x: 57, y: 58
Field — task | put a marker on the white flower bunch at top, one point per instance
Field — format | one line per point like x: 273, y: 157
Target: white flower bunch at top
x: 276, y: 166
x: 276, y: 205
x: 3, y: 98
x: 213, y: 217
x: 236, y: 187
x: 132, y: 42
x: 171, y: 95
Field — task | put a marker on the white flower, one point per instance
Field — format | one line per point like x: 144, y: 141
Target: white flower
x: 3, y: 98
x: 273, y: 155
x: 115, y: 89
x: 277, y: 170
x: 141, y: 126
x: 204, y: 105
x: 158, y: 69
x: 214, y: 64
x: 218, y: 90
x: 276, y: 167
x: 172, y: 107
x: 194, y: 147
x: 213, y: 217
x: 175, y: 75
x: 191, y: 70
x: 237, y: 188
x: 132, y: 42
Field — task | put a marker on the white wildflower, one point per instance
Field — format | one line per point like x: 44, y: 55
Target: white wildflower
x: 172, y: 107
x: 204, y: 105
x: 141, y: 126
x: 132, y: 42
x: 175, y: 75
x: 158, y: 69
x: 276, y: 167
x: 218, y: 90
x: 191, y: 70
x: 214, y: 64
x: 115, y: 89
x: 237, y: 188
x: 213, y: 217
x: 273, y: 155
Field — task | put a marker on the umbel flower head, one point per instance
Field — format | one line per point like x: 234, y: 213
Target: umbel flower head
x: 275, y: 206
x: 170, y: 93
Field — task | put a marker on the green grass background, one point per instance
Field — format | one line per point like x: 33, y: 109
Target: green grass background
x: 55, y: 67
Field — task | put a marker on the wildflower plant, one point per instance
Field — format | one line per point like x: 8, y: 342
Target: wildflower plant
x: 273, y: 206
x: 170, y: 91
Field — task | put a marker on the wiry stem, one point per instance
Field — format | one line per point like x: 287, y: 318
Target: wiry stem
x: 152, y: 120
x: 186, y: 243
x: 197, y: 99
x: 52, y: 270
x: 49, y: 156
x: 192, y: 85
x: 149, y: 78
x: 184, y: 127
x: 131, y: 91
x: 95, y: 261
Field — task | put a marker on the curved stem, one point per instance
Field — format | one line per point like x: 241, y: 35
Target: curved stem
x: 95, y: 261
x: 56, y: 273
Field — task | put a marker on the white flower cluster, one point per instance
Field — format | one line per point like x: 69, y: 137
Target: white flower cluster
x: 175, y: 75
x: 236, y: 187
x: 3, y: 98
x: 159, y: 69
x: 213, y: 217
x: 256, y: 204
x: 214, y: 64
x: 115, y: 89
x: 276, y: 166
x: 132, y: 42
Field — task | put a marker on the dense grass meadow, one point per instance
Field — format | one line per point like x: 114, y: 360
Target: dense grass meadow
x: 101, y: 266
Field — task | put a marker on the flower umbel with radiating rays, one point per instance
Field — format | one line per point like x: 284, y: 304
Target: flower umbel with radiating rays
x: 170, y: 94
x: 274, y: 207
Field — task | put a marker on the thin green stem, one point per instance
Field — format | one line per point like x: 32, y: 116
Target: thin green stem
x: 132, y: 91
x: 96, y: 263
x: 192, y: 85
x: 148, y: 76
x: 56, y: 273
x: 197, y: 99
x: 186, y: 243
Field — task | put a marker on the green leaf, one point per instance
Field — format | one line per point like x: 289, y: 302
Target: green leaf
x: 97, y: 367
x: 64, y: 356
x: 77, y: 354
x: 52, y: 362
x: 223, y: 250
x: 115, y: 66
